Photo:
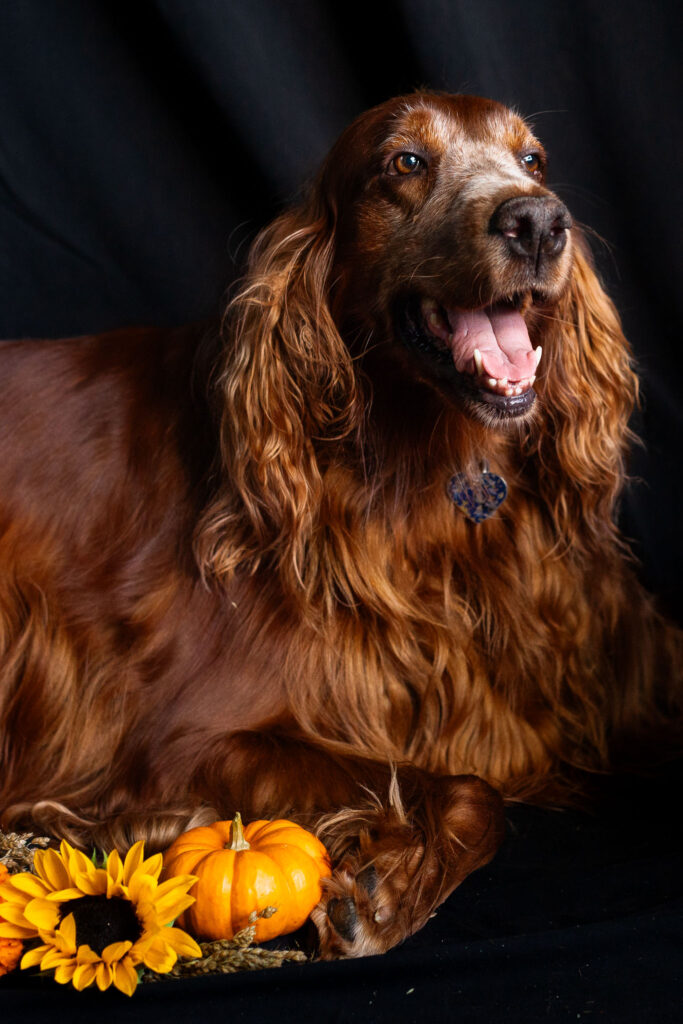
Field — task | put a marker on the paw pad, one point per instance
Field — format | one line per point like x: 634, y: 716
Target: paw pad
x: 342, y: 913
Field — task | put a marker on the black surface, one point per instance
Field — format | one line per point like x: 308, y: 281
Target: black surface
x: 578, y: 918
x: 141, y: 147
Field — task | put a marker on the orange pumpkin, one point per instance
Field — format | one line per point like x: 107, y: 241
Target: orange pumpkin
x: 241, y: 870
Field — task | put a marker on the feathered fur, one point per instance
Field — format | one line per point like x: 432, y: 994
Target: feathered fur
x: 252, y: 591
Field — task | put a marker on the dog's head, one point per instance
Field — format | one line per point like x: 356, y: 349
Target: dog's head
x: 449, y: 244
x: 389, y: 328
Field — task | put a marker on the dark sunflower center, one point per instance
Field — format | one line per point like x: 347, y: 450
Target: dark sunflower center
x: 100, y: 921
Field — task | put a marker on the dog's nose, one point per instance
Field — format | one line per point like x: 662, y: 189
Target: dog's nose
x: 532, y: 226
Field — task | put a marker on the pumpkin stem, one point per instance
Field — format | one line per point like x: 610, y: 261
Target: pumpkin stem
x: 237, y: 840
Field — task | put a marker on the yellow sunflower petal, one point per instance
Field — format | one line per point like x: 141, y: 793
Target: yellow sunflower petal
x: 84, y: 975
x: 93, y: 882
x: 65, y: 936
x: 147, y: 915
x: 76, y: 861
x: 115, y: 951
x: 52, y: 869
x: 171, y: 897
x: 125, y: 977
x: 141, y: 888
x: 181, y: 942
x: 9, y: 894
x: 115, y: 889
x: 115, y: 867
x: 55, y: 958
x: 62, y: 895
x: 133, y: 860
x: 159, y: 957
x: 16, y: 931
x: 153, y: 865
x: 16, y: 915
x: 170, y: 908
x: 33, y: 956
x: 42, y: 913
x: 104, y: 976
x: 29, y: 884
x: 86, y: 955
x: 65, y: 972
x: 180, y: 882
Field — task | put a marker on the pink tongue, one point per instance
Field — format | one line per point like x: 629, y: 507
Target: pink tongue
x: 501, y: 337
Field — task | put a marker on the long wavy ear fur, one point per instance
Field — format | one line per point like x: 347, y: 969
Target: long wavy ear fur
x: 589, y: 393
x: 287, y: 386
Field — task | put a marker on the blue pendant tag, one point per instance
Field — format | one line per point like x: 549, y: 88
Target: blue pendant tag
x: 478, y: 496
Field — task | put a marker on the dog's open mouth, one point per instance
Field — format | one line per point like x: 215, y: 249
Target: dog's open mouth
x: 486, y: 352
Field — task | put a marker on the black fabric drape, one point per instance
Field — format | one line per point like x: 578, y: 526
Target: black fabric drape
x: 142, y: 145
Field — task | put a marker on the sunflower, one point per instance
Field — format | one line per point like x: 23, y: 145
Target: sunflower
x: 97, y: 923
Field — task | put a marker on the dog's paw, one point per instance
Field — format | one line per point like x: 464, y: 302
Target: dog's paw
x: 363, y: 909
x: 394, y: 865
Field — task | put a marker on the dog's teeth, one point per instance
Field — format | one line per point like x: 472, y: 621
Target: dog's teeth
x: 538, y: 352
x: 532, y: 380
x: 509, y: 391
x: 502, y: 382
x: 429, y: 306
x: 519, y: 389
x: 478, y: 362
x: 435, y: 320
x: 492, y: 382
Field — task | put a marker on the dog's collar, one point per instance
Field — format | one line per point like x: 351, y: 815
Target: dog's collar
x: 477, y: 494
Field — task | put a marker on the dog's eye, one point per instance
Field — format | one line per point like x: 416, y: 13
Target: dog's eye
x: 531, y: 162
x: 406, y: 163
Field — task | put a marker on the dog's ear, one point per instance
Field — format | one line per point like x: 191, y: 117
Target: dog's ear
x: 588, y: 389
x: 287, y: 388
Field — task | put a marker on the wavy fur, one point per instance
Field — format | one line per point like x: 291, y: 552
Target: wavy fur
x: 266, y: 601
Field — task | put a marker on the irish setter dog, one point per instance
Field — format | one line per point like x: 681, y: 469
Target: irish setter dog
x: 273, y: 571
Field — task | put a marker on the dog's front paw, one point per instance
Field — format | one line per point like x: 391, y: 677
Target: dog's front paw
x: 394, y: 865
x: 363, y: 910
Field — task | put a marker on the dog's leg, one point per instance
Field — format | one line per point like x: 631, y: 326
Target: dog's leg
x: 400, y: 839
x: 396, y: 863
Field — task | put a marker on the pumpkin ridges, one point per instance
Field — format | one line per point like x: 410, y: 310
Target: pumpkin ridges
x: 249, y: 895
x: 257, y: 829
x: 300, y: 884
x: 321, y: 862
x: 208, y: 895
x: 282, y: 868
x: 253, y: 830
x: 204, y: 890
x: 307, y: 855
x: 282, y: 831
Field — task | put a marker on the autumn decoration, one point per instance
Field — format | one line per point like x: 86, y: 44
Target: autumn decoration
x: 269, y: 872
x: 96, y: 922
x: 10, y: 949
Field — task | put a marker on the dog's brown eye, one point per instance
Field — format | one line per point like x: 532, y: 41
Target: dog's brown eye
x: 531, y: 162
x: 406, y: 163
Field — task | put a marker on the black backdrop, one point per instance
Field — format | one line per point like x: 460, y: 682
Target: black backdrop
x: 142, y: 144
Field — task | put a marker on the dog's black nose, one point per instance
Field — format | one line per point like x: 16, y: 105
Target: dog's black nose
x: 532, y: 226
